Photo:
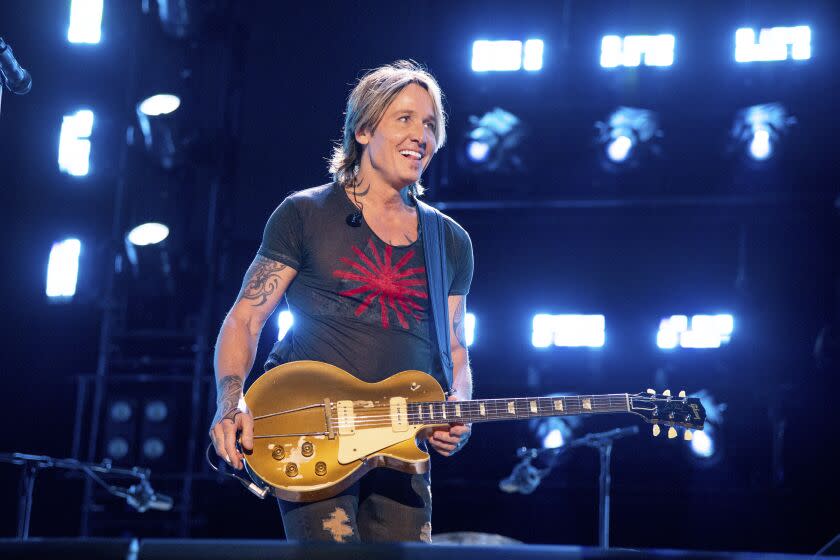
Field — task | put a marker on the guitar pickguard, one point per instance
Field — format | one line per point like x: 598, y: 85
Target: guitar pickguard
x: 368, y: 441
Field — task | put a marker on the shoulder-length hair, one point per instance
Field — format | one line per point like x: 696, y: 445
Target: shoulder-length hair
x: 367, y: 104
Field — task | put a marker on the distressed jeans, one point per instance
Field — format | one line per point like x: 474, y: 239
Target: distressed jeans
x: 385, y: 505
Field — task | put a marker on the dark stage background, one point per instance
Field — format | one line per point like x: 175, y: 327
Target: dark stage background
x: 695, y: 229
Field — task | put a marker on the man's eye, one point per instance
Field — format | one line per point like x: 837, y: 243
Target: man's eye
x: 404, y: 118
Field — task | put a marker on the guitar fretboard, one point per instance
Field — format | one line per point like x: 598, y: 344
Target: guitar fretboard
x: 487, y: 410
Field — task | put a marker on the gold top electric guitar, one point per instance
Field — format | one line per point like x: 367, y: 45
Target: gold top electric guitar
x: 318, y: 429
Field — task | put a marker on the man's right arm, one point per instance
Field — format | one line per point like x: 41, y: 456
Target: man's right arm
x: 262, y: 289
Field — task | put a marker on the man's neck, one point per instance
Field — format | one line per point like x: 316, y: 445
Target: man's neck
x: 378, y: 196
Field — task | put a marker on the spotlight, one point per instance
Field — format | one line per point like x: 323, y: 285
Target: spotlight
x: 74, y: 143
x: 706, y: 446
x: 149, y: 233
x: 773, y: 44
x: 63, y: 269
x: 85, y: 21
x: 629, y: 51
x: 703, y: 331
x: 156, y: 116
x: 490, y: 144
x: 625, y: 131
x: 285, y: 320
x: 568, y: 331
x: 759, y: 129
x: 469, y: 328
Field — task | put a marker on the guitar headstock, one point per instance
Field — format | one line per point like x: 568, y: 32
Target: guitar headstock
x: 662, y: 409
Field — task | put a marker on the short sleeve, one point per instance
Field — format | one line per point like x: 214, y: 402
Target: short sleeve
x: 282, y: 238
x: 463, y: 264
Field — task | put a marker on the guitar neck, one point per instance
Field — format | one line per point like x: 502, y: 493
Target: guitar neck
x: 488, y: 410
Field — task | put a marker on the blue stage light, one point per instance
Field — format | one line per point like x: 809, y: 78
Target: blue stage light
x: 619, y: 148
x: 469, y: 328
x: 761, y: 146
x: 553, y: 439
x: 568, y: 331
x: 497, y: 56
x: 149, y: 233
x: 773, y: 44
x: 74, y: 143
x: 630, y: 51
x: 85, y: 21
x: 702, y: 445
x: 285, y: 320
x: 63, y: 269
x: 477, y: 151
x: 533, y: 58
x: 160, y: 104
x: 703, y: 331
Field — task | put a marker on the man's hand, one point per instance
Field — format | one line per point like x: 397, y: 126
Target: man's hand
x: 448, y: 440
x: 232, y: 416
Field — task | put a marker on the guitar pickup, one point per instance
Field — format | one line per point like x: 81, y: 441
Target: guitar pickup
x: 345, y: 418
x: 399, y: 414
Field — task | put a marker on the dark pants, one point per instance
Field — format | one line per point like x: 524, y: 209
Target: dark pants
x: 385, y: 505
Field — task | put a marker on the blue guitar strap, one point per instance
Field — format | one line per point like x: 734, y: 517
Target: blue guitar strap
x: 434, y: 247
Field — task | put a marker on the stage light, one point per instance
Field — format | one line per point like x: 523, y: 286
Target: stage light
x: 773, y: 44
x: 619, y: 148
x: 477, y: 151
x: 568, y: 331
x: 491, y: 142
x: 761, y: 147
x: 703, y: 331
x: 625, y: 130
x: 702, y: 445
x: 63, y: 269
x: 159, y: 104
x: 553, y: 439
x: 469, y: 328
x: 533, y: 57
x: 759, y: 128
x: 629, y: 51
x: 74, y: 143
x: 149, y: 233
x: 285, y: 320
x: 85, y: 21
x: 157, y: 117
x: 496, y: 56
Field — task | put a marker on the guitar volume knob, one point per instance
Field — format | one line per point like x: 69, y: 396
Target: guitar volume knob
x: 291, y: 470
x: 278, y: 453
x: 320, y: 468
x: 307, y: 449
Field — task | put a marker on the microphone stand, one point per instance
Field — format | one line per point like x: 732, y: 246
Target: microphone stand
x: 34, y: 463
x: 603, y: 442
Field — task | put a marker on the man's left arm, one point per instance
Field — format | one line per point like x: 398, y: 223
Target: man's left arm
x: 448, y: 440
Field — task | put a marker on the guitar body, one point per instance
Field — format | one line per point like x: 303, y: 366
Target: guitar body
x: 318, y: 429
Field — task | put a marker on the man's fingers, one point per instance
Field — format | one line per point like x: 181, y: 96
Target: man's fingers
x: 217, y: 436
x: 230, y: 443
x: 245, y: 422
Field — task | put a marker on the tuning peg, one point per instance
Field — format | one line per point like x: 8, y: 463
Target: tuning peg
x: 688, y: 435
x: 650, y: 392
x: 667, y: 392
x: 656, y: 430
x: 672, y: 433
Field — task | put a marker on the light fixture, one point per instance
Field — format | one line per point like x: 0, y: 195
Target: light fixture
x: 634, y: 50
x: 568, y: 331
x: 701, y: 331
x: 759, y: 128
x: 85, y: 21
x: 63, y: 269
x: 74, y: 143
x: 491, y: 142
x: 772, y: 44
x: 625, y: 133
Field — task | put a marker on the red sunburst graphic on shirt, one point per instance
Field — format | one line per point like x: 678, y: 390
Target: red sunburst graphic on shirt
x: 394, y: 285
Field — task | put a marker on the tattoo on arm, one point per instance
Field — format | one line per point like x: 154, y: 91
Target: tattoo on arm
x: 228, y: 393
x: 261, y: 280
x: 458, y: 324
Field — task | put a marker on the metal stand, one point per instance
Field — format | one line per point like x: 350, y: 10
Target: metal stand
x: 140, y: 496
x: 603, y: 442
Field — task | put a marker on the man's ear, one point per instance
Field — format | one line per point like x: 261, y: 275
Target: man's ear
x: 363, y: 136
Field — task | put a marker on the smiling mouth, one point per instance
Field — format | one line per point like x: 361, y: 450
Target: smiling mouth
x: 411, y: 154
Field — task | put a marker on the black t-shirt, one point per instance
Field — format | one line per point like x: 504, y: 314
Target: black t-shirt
x: 358, y: 303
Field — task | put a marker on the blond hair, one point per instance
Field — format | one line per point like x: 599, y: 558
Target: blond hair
x: 367, y: 104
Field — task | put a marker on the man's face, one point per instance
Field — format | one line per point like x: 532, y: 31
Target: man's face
x: 404, y: 141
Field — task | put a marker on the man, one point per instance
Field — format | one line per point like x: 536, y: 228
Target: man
x: 350, y: 259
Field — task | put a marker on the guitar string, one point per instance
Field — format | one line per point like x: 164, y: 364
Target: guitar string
x: 496, y: 405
